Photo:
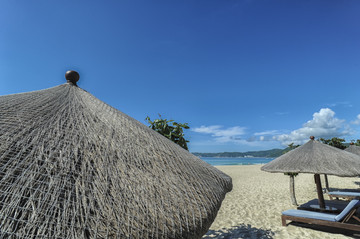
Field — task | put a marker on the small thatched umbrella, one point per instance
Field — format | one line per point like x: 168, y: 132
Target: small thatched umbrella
x: 353, y: 149
x: 72, y: 166
x: 316, y: 158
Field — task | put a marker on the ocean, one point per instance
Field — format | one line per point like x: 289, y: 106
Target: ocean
x: 235, y: 161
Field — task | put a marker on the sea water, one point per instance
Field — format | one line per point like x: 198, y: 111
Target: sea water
x: 236, y: 161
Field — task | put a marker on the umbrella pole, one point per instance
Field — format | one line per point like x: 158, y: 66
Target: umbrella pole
x: 319, y: 191
x: 326, y: 183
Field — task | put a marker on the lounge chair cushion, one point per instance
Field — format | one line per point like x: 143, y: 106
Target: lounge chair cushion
x: 310, y: 214
x: 351, y: 205
x: 351, y: 194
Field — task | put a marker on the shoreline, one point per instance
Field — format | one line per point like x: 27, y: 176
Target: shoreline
x: 253, y: 208
x: 233, y: 161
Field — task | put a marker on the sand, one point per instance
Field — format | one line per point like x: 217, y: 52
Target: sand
x: 253, y: 208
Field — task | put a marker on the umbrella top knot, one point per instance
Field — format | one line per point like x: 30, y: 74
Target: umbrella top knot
x: 312, y: 137
x: 72, y: 77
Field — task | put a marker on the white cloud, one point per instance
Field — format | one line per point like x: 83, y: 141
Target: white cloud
x: 267, y: 135
x: 222, y: 134
x: 357, y: 121
x: 268, y: 132
x: 207, y: 129
x: 323, y: 124
x: 343, y: 103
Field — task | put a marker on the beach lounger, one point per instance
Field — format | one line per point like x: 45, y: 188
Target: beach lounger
x: 331, y: 206
x: 342, y: 194
x: 325, y: 219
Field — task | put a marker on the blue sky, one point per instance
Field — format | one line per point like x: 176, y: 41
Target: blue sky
x: 246, y: 75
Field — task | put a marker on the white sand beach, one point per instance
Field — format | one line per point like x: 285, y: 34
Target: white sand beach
x: 253, y: 208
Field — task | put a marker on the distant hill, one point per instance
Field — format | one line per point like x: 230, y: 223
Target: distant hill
x: 272, y: 153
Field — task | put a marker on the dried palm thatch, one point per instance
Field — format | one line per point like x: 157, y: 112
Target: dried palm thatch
x: 316, y: 158
x: 71, y: 166
x: 353, y: 149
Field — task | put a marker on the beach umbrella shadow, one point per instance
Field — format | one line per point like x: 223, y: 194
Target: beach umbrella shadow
x: 240, y: 231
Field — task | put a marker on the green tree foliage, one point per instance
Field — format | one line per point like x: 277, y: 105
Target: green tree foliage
x: 290, y: 147
x: 335, y: 142
x: 357, y: 143
x: 170, y: 129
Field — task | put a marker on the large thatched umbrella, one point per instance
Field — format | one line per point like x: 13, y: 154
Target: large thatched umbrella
x: 316, y: 158
x: 72, y: 166
x: 353, y: 149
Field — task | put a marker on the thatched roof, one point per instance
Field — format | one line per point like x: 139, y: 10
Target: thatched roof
x: 316, y: 158
x: 353, y: 149
x: 72, y: 166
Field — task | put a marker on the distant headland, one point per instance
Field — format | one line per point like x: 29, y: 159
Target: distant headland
x: 272, y: 153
